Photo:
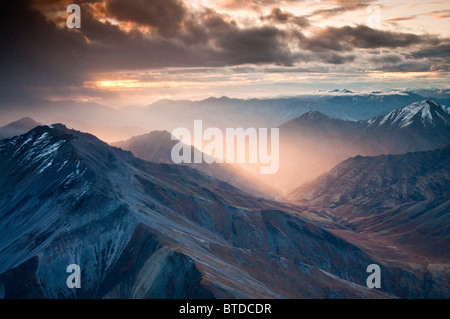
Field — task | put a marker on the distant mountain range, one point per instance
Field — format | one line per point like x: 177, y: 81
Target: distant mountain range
x: 224, y: 111
x: 319, y: 142
x: 423, y: 125
x: 343, y: 91
x: 114, y: 125
x: 145, y: 230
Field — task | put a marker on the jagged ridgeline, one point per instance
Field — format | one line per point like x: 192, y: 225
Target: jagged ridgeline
x: 145, y: 230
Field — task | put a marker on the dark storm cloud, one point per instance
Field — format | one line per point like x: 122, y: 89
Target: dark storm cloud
x: 36, y: 53
x: 33, y: 51
x: 408, y: 66
x: 442, y: 50
x: 387, y: 59
x: 326, y: 58
x: 440, y: 55
x: 362, y: 37
x: 256, y: 45
x: 164, y: 15
x: 397, y: 62
x: 333, y: 58
x: 278, y: 16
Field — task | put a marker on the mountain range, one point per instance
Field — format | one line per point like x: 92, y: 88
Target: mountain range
x: 400, y: 199
x: 376, y: 191
x: 311, y: 144
x: 112, y: 125
x: 146, y: 230
x: 373, y: 184
x: 230, y: 112
x: 318, y: 142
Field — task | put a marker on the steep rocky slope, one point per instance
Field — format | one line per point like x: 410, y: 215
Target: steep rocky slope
x: 141, y: 230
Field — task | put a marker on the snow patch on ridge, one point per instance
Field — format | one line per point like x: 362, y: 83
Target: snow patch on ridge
x: 404, y: 117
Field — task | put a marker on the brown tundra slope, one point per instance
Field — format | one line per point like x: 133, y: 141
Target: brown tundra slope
x: 395, y: 206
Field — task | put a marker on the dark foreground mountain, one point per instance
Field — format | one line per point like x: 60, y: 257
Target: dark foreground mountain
x: 318, y: 143
x: 404, y: 197
x: 18, y: 127
x: 145, y: 230
x: 156, y: 147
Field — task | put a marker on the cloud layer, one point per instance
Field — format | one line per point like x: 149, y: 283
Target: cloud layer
x: 39, y: 53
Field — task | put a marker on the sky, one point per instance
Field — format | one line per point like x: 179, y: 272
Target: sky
x: 132, y: 53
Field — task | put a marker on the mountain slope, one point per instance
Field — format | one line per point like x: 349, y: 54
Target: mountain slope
x: 144, y: 230
x: 420, y: 126
x: 422, y: 113
x: 18, y: 127
x: 421, y: 227
x: 314, y: 122
x: 156, y: 147
x: 381, y: 182
x: 397, y: 201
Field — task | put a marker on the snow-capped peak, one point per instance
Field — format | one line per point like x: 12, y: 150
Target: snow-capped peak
x: 422, y: 110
